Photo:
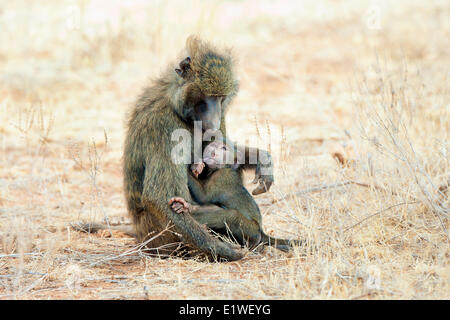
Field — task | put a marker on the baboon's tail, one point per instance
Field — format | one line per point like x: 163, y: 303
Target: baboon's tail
x: 281, y: 244
x: 95, y: 227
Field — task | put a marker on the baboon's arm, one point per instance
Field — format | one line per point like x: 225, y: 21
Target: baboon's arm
x: 261, y: 161
x: 196, y: 189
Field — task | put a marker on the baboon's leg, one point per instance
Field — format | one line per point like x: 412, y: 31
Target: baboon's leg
x: 243, y: 229
x: 228, y: 221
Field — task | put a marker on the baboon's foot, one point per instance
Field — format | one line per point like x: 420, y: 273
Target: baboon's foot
x: 179, y: 205
x: 197, y: 168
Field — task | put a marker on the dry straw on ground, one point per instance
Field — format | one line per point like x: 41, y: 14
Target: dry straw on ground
x: 353, y: 95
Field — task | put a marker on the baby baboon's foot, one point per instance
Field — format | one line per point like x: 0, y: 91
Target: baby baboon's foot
x: 197, y: 168
x: 179, y: 205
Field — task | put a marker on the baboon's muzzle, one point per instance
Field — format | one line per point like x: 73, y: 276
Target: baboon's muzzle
x: 210, y: 113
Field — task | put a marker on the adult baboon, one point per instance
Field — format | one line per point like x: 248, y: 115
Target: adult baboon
x: 199, y: 90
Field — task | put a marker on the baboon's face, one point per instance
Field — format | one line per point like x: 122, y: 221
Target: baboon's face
x: 208, y: 82
x: 209, y: 111
x: 216, y: 155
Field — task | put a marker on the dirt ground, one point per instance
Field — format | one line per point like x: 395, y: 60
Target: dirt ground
x: 352, y: 99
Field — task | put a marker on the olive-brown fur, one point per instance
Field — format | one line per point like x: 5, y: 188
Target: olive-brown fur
x: 151, y: 178
x: 243, y: 221
x: 200, y: 88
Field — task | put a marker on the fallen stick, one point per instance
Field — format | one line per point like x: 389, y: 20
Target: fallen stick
x: 378, y: 212
x: 335, y: 185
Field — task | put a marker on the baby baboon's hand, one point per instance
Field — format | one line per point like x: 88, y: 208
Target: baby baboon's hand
x: 197, y: 168
x: 263, y: 175
x: 179, y: 205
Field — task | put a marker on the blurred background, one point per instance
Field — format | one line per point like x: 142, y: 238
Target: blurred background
x: 339, y: 91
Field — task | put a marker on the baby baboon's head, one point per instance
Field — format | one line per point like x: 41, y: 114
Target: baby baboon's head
x: 218, y: 155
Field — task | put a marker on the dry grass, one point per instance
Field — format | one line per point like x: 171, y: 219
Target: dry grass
x: 355, y: 101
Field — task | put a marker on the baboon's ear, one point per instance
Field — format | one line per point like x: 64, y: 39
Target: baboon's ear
x: 179, y: 72
x: 185, y: 65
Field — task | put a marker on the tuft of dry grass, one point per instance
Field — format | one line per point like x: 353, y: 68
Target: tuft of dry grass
x: 351, y: 98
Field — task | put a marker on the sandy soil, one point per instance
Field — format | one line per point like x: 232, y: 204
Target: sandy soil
x: 341, y: 92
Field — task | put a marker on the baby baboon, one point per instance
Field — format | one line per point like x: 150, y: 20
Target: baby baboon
x: 209, y: 187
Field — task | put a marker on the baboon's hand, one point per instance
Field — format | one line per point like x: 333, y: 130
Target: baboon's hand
x: 263, y: 174
x: 197, y: 168
x: 179, y: 205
